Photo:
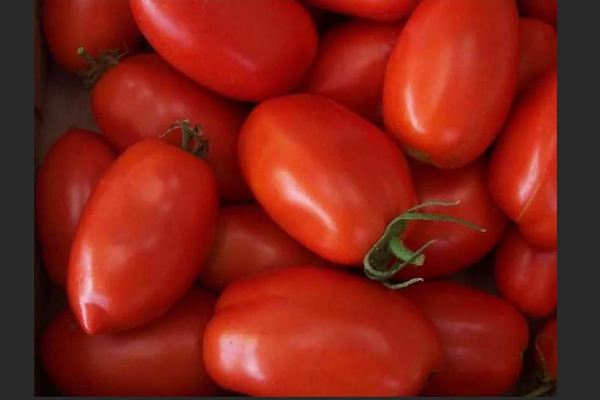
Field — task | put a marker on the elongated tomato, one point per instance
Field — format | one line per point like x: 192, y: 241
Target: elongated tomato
x: 382, y: 10
x: 537, y: 43
x: 143, y: 237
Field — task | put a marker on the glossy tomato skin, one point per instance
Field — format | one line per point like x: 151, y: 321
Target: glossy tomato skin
x: 143, y: 96
x: 523, y: 165
x: 247, y: 243
x: 483, y: 338
x: 143, y: 237
x: 163, y: 358
x: 98, y: 26
x: 306, y: 331
x: 537, y: 50
x: 247, y: 50
x: 350, y: 65
x: 546, y: 343
x: 451, y: 79
x: 328, y: 177
x: 65, y: 180
x: 380, y: 10
x: 545, y: 10
x: 457, y: 246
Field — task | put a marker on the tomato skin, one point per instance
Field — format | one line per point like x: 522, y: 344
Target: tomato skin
x: 523, y: 165
x: 537, y: 50
x: 483, y: 338
x: 546, y: 343
x: 329, y: 178
x: 365, y: 339
x: 143, y: 96
x: 247, y: 243
x: 247, y: 50
x: 350, y: 65
x: 65, y: 180
x: 154, y: 210
x: 457, y: 247
x: 163, y: 358
x: 98, y: 26
x: 545, y: 10
x: 451, y: 79
x: 380, y: 10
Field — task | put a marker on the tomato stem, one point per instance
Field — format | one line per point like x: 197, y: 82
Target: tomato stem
x: 541, y: 390
x: 99, y: 65
x: 192, y: 137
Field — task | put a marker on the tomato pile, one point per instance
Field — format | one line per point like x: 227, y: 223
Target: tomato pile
x: 284, y: 198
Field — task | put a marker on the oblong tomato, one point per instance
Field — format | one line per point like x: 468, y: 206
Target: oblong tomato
x: 328, y: 177
x: 65, y: 180
x: 451, y: 79
x: 143, y: 96
x: 97, y: 26
x: 382, y: 10
x: 546, y: 343
x: 545, y: 10
x: 483, y: 338
x: 456, y: 247
x: 350, y: 65
x: 526, y: 275
x: 537, y: 43
x: 143, y: 237
x: 306, y: 331
x: 247, y: 243
x: 523, y: 165
x: 162, y: 358
x: 247, y: 50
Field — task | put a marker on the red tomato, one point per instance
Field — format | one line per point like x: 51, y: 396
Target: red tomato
x: 143, y: 96
x: 248, y: 242
x: 537, y: 50
x: 247, y: 50
x: 306, y: 331
x: 541, y: 9
x: 163, y: 358
x: 76, y: 161
x: 382, y: 10
x: 451, y: 78
x: 143, y: 237
x: 98, y: 26
x: 523, y: 165
x: 483, y: 338
x: 526, y: 275
x: 350, y: 65
x: 545, y: 348
x: 457, y: 247
x: 329, y: 178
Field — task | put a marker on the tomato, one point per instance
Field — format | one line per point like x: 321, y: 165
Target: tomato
x: 541, y: 9
x: 545, y: 347
x: 329, y: 178
x: 523, y: 164
x: 537, y: 50
x: 143, y: 96
x: 163, y: 358
x: 98, y: 26
x: 248, y: 242
x: 483, y: 338
x: 143, y: 237
x: 451, y: 78
x: 456, y: 248
x: 67, y: 176
x: 350, y: 65
x: 526, y: 275
x: 382, y: 10
x: 247, y: 50
x: 308, y: 331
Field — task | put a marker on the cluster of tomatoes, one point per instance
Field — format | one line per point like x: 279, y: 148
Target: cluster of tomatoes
x: 272, y: 181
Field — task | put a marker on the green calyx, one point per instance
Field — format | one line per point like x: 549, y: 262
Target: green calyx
x: 192, y: 137
x: 98, y: 65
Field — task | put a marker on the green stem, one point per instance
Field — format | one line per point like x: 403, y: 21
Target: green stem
x: 541, y: 390
x: 99, y: 65
x: 192, y: 137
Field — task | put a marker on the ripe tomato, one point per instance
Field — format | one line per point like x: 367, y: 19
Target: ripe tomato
x: 545, y: 348
x: 307, y: 331
x: 541, y: 9
x: 523, y: 164
x: 98, y: 26
x: 537, y: 50
x: 526, y: 275
x: 248, y: 242
x: 143, y: 237
x: 456, y: 248
x: 247, y: 50
x: 350, y: 65
x: 163, y: 358
x: 143, y: 96
x: 483, y: 338
x: 382, y: 10
x: 451, y: 78
x: 67, y: 176
x: 329, y: 178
